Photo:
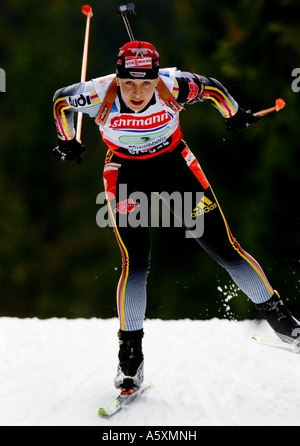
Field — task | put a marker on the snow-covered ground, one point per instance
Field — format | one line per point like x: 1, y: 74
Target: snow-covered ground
x: 58, y: 372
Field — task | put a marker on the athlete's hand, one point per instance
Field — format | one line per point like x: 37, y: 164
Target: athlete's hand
x: 69, y: 150
x: 241, y: 120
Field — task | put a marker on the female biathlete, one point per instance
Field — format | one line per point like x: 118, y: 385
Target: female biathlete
x: 137, y: 111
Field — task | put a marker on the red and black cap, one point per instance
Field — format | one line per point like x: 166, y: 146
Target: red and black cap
x: 137, y: 60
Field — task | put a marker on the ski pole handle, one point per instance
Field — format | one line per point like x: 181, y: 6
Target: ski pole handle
x: 86, y: 10
x: 279, y: 105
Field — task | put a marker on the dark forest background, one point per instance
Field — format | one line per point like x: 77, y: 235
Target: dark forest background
x: 54, y: 259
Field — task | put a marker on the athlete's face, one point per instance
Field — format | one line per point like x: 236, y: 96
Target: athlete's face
x: 137, y: 93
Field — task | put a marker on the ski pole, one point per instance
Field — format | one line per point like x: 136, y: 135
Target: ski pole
x: 279, y: 104
x: 124, y: 11
x: 86, y: 10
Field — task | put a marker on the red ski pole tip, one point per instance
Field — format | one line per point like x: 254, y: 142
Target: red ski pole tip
x: 279, y: 104
x: 87, y: 10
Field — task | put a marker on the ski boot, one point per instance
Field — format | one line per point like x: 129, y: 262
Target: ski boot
x: 130, y: 372
x: 286, y: 327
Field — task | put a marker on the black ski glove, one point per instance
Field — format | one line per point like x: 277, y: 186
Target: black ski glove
x: 241, y: 120
x: 69, y: 150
